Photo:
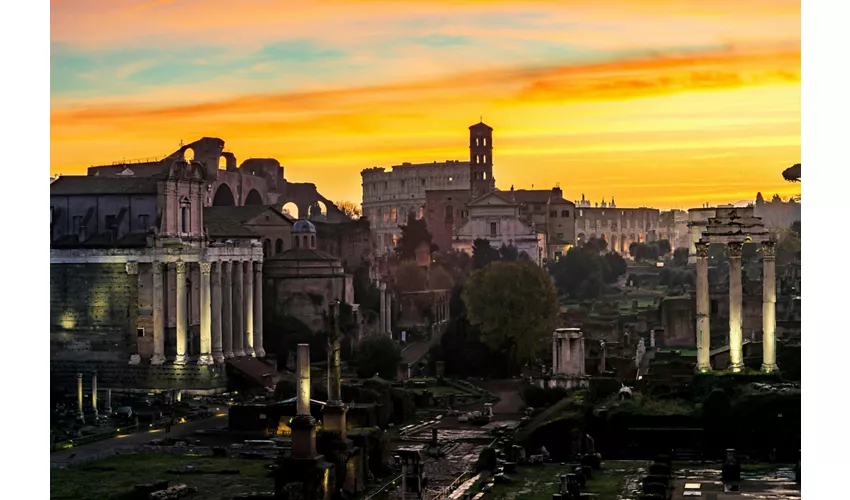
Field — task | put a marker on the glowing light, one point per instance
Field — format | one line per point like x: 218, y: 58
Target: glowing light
x: 155, y: 430
x: 68, y: 321
x: 182, y: 420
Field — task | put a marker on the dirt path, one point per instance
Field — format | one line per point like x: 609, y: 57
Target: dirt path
x: 508, y: 392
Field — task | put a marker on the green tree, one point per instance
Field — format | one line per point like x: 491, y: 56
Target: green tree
x: 483, y: 254
x: 413, y: 234
x: 377, y: 354
x: 508, y: 253
x: 516, y: 307
x: 664, y: 247
x: 597, y: 244
x: 615, y: 266
x: 680, y: 257
x: 440, y: 279
x: 409, y: 277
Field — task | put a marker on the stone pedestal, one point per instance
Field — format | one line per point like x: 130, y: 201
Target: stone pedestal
x: 703, y: 327
x: 736, y: 339
x: 333, y: 418
x: 182, y: 300
x: 303, y: 436
x: 769, y: 308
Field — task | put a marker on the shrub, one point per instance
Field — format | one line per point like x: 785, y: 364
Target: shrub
x: 378, y: 354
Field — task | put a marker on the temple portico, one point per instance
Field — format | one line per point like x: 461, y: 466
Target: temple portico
x: 734, y: 227
x: 224, y: 306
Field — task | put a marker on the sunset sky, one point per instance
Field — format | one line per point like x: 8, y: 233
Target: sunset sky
x: 663, y: 103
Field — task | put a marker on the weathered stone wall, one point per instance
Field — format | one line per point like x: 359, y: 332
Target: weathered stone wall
x: 120, y: 375
x: 303, y: 298
x: 678, y: 318
x: 439, y: 223
x: 93, y: 310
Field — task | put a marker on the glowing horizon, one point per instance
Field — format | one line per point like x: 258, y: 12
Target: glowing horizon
x: 660, y: 103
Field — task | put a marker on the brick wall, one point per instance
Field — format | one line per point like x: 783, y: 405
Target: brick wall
x: 120, y: 375
x: 93, y: 311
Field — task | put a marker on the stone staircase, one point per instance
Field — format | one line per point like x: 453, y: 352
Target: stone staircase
x: 253, y: 371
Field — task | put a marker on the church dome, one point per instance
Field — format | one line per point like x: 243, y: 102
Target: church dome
x: 303, y: 226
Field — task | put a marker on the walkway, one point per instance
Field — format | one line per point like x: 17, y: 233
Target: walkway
x: 128, y: 442
x: 414, y: 352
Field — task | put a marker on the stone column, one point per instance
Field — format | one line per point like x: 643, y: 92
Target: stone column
x: 259, y: 351
x: 108, y: 408
x: 303, y: 425
x: 556, y: 354
x: 768, y: 312
x: 182, y: 316
x: 158, y: 357
x: 94, y: 392
x: 238, y: 309
x: 206, y: 315
x: 334, y: 412
x: 248, y: 307
x: 215, y: 314
x: 132, y: 269
x: 703, y: 310
x: 389, y: 311
x: 736, y: 338
x: 227, y: 309
x: 383, y: 306
x: 79, y: 395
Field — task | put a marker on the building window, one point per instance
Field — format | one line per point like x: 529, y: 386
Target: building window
x: 278, y: 246
x: 297, y: 242
x: 394, y: 215
x: 401, y: 182
x: 184, y: 216
x: 140, y: 332
x: 312, y: 241
x: 581, y: 213
x: 395, y: 240
x: 464, y: 213
x: 450, y: 213
x: 143, y: 222
x: 421, y: 211
x: 565, y: 213
x: 267, y: 248
x: 423, y: 182
x: 493, y: 229
x: 484, y: 141
x: 553, y: 213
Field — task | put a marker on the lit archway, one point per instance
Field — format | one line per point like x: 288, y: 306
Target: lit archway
x: 253, y: 198
x: 222, y: 163
x: 224, y: 197
x: 189, y: 154
x: 318, y: 210
x: 290, y: 209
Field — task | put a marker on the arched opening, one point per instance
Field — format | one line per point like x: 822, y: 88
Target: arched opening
x: 267, y: 248
x: 185, y: 220
x: 290, y: 209
x: 297, y: 241
x: 189, y: 154
x: 614, y: 242
x: 253, y: 198
x: 313, y: 241
x: 222, y: 163
x: 278, y: 246
x: 224, y: 197
x: 318, y: 210
x: 450, y: 213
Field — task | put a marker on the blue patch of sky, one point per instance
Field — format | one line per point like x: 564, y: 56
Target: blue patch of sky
x: 129, y: 71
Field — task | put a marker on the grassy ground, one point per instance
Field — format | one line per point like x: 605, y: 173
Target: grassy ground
x: 84, y: 483
x: 539, y: 483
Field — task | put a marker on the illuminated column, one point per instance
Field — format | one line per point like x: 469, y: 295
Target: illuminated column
x: 703, y: 310
x: 227, y: 309
x: 108, y: 408
x: 258, y: 310
x: 768, y: 312
x: 94, y: 392
x: 182, y: 316
x: 206, y: 312
x: 383, y: 308
x: 695, y: 234
x: 303, y: 425
x: 79, y: 395
x: 158, y: 357
x: 248, y: 307
x: 735, y: 299
x: 238, y: 309
x: 215, y: 314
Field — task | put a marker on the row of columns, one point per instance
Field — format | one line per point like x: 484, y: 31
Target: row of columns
x: 231, y: 311
x: 108, y: 407
x: 703, y: 304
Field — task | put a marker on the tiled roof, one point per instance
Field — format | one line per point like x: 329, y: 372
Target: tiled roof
x: 532, y: 195
x: 226, y: 228
x: 84, y: 184
x: 303, y: 254
x: 242, y: 214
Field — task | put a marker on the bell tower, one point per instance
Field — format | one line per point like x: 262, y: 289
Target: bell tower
x: 481, y: 179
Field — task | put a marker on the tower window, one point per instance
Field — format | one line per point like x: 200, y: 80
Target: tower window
x: 565, y: 213
x: 485, y: 141
x: 485, y: 160
x: 184, y: 216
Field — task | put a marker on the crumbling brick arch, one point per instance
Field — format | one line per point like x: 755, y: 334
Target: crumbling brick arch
x: 254, y: 198
x: 224, y: 196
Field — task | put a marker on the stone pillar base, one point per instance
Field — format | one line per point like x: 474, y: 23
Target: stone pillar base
x: 303, y: 436
x: 774, y: 368
x: 157, y: 359
x: 260, y: 353
x: 218, y: 357
x: 108, y: 410
x: 229, y: 355
x: 205, y: 359
x: 181, y: 359
x: 238, y: 354
x: 135, y: 359
x: 333, y: 418
x: 735, y: 367
x: 249, y: 352
x: 705, y: 368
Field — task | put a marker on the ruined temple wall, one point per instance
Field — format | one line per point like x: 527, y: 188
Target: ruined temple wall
x: 305, y: 298
x: 93, y: 311
x: 440, y: 224
x: 678, y: 318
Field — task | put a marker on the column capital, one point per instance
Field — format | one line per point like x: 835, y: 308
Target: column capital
x: 180, y: 266
x: 702, y: 249
x: 768, y: 249
x: 132, y: 267
x: 258, y: 267
x: 224, y: 265
x: 206, y: 267
x: 736, y: 249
